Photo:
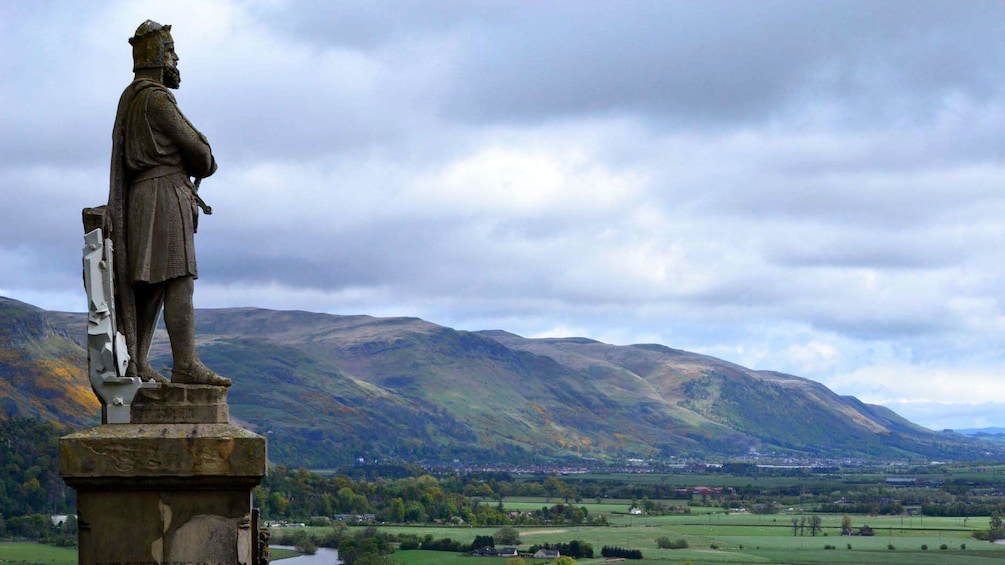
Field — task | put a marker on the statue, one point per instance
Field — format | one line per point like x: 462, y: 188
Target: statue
x: 152, y: 211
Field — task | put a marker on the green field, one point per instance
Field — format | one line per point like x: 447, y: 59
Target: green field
x: 716, y: 537
x: 33, y: 553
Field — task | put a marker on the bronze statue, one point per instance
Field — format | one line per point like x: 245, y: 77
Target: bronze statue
x: 152, y: 210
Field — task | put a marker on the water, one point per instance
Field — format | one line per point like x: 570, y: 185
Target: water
x: 324, y: 556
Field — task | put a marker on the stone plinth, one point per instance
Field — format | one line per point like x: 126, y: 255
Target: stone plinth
x: 164, y: 493
x: 194, y: 404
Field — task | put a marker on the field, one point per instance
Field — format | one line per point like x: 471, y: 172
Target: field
x: 34, y: 553
x: 715, y: 537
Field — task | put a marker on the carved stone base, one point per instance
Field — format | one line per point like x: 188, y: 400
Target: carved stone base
x: 164, y: 493
x: 193, y: 404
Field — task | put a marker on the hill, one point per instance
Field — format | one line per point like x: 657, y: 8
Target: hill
x: 327, y: 389
x: 44, y: 372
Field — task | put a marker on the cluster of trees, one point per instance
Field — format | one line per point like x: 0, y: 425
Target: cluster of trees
x: 799, y: 525
x: 39, y: 527
x: 364, y: 546
x: 29, y: 470
x: 576, y: 549
x: 417, y: 499
x: 608, y: 551
x: 368, y: 546
x: 963, y: 508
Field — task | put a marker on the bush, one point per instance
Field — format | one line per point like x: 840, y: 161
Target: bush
x: 890, y: 547
x: 963, y: 546
x: 445, y: 544
x: 507, y: 535
x: 829, y: 547
x: 306, y: 546
x: 713, y: 546
x: 943, y: 547
x: 666, y: 543
x: 924, y: 547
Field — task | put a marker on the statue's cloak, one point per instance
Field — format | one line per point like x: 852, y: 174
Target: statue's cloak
x: 115, y: 216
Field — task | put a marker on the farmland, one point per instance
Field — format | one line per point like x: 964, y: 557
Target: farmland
x: 714, y: 536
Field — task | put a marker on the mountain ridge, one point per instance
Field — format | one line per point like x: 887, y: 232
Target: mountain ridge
x: 328, y: 389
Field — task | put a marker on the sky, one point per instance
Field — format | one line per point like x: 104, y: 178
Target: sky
x: 816, y: 188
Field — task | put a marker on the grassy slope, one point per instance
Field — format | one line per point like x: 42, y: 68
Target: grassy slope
x: 42, y: 369
x: 355, y: 386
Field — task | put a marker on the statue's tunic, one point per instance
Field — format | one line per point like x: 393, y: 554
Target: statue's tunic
x: 160, y: 151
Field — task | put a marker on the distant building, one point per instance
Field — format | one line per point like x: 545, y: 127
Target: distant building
x: 547, y: 554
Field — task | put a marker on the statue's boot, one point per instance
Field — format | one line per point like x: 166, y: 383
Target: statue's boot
x: 148, y: 373
x: 197, y: 374
x: 145, y: 372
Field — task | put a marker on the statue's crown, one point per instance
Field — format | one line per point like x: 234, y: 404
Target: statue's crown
x: 148, y: 45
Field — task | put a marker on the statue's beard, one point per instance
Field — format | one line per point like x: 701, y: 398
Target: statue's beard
x: 172, y: 77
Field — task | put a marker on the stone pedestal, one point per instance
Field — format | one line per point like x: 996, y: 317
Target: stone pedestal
x: 165, y: 489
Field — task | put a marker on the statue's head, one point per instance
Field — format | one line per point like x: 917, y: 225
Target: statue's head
x: 153, y: 48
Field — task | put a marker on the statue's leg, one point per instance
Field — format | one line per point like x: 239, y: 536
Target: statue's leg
x: 179, y: 317
x: 149, y: 298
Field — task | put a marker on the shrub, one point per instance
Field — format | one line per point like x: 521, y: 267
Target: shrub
x: 713, y: 546
x: 943, y: 547
x: 963, y: 546
x: 666, y: 543
x: 924, y: 547
x: 306, y: 546
x: 507, y: 535
x: 849, y: 546
x: 828, y: 546
x: 890, y: 547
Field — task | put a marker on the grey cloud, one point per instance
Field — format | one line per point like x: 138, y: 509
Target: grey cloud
x: 715, y: 62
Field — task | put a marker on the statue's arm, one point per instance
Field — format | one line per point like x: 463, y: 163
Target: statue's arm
x: 164, y: 116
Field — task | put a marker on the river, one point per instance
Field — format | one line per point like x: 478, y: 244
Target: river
x: 324, y: 556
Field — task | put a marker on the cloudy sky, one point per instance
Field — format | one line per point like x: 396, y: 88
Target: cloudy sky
x: 811, y: 187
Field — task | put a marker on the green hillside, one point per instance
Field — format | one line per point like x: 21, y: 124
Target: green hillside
x: 329, y: 389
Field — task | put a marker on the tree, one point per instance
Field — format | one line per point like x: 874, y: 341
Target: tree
x: 565, y: 560
x: 845, y: 524
x: 996, y: 525
x: 551, y: 486
x: 814, y: 525
x: 507, y: 535
x: 397, y: 511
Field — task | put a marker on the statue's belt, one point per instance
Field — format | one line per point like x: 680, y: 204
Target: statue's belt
x: 157, y: 172
x: 168, y: 170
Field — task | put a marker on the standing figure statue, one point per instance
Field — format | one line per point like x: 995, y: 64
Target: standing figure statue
x: 152, y: 211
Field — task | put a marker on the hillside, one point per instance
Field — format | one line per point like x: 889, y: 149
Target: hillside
x: 327, y: 389
x: 44, y: 372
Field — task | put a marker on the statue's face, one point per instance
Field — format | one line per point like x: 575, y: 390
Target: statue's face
x: 172, y: 76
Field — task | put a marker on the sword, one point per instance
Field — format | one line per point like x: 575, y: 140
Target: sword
x: 206, y: 208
